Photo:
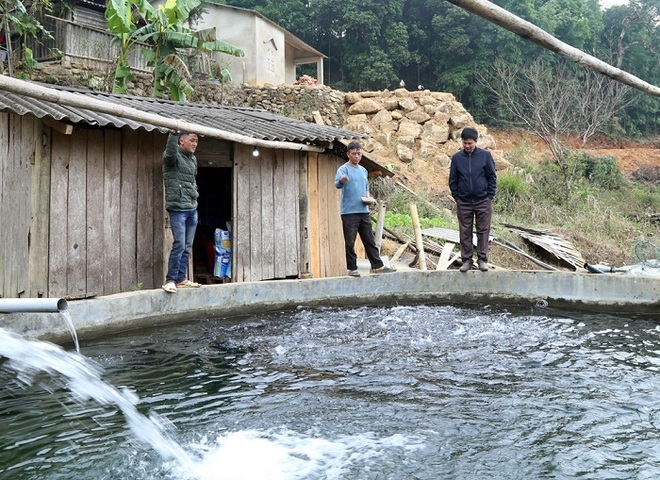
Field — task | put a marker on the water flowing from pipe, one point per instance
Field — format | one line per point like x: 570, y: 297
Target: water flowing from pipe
x: 27, y: 358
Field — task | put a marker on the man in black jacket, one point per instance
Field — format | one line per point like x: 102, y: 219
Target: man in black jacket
x: 473, y: 182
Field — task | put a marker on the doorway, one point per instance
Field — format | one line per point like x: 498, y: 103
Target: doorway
x: 214, y: 211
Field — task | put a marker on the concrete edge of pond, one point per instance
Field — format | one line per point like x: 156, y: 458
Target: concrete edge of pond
x: 113, y: 313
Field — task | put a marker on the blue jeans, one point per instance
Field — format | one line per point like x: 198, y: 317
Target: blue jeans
x: 183, y: 226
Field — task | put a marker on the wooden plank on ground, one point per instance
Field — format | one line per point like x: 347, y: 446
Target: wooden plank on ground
x: 399, y: 252
x: 447, y: 248
x: 448, y: 263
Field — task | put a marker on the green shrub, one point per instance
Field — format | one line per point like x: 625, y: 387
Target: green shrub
x: 511, y: 190
x: 521, y: 156
x: 603, y: 172
x: 402, y: 223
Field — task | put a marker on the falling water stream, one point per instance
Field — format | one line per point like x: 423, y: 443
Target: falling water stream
x: 397, y: 392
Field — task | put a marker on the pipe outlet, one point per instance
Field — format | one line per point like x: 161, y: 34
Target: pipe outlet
x: 33, y: 305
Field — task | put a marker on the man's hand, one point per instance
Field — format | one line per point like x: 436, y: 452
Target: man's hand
x: 344, y: 179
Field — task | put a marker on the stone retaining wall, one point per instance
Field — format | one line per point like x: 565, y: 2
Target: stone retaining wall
x: 406, y: 124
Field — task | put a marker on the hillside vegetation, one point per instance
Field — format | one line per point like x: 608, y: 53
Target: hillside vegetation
x: 609, y: 210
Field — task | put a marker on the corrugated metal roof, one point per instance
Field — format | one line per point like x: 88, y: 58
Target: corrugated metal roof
x: 258, y: 124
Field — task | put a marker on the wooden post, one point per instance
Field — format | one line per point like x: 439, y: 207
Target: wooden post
x: 418, y: 236
x: 380, y: 224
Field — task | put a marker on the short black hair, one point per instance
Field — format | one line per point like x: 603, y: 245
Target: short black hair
x: 354, y: 146
x: 470, y: 133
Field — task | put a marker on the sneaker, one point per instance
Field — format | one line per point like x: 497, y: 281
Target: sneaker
x: 169, y: 287
x: 483, y: 265
x: 467, y: 265
x: 353, y: 273
x: 383, y: 269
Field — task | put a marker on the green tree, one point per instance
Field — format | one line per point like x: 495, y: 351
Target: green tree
x: 631, y: 38
x: 18, y: 17
x: 164, y: 30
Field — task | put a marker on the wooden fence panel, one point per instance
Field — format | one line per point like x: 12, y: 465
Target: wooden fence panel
x: 95, y: 211
x: 160, y: 246
x: 145, y: 211
x: 76, y: 238
x: 112, y: 212
x: 59, y: 192
x: 128, y: 209
x: 16, y: 154
x: 241, y: 209
x: 279, y: 215
x: 314, y: 236
x: 39, y: 225
x: 292, y: 218
x: 269, y: 224
x: 256, y: 217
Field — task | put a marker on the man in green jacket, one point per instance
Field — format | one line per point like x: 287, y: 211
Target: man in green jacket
x: 179, y: 171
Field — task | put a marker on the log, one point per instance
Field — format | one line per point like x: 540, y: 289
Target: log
x: 418, y: 236
x: 70, y: 99
x: 525, y: 29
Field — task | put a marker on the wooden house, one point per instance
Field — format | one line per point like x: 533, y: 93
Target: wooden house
x: 81, y: 195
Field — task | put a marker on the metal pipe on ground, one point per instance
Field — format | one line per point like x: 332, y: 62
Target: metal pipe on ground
x: 33, y: 305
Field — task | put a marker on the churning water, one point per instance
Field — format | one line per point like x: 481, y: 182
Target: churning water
x: 400, y: 392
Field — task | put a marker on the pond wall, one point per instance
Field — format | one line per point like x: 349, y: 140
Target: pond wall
x: 105, y: 315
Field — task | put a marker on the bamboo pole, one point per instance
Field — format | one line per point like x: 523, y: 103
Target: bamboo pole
x: 525, y: 29
x: 380, y: 224
x: 418, y: 236
x: 39, y: 92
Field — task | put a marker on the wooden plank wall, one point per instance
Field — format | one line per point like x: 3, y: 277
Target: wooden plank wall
x: 326, y: 239
x: 17, y: 141
x: 106, y: 212
x: 266, y: 215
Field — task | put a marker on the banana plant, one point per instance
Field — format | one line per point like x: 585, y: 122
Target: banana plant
x: 165, y: 31
x: 121, y: 18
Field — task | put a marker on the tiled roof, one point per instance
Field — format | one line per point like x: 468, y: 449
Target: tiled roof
x: 258, y: 124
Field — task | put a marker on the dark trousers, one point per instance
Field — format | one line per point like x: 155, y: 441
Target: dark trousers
x: 480, y: 213
x: 354, y: 223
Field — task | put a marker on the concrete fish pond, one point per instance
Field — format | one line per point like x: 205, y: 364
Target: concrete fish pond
x: 413, y: 375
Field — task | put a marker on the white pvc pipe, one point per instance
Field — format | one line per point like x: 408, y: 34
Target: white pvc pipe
x: 33, y: 305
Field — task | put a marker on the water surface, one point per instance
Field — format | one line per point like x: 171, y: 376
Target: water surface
x: 399, y: 392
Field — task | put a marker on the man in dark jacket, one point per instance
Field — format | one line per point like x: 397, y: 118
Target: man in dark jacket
x: 179, y: 171
x: 473, y: 182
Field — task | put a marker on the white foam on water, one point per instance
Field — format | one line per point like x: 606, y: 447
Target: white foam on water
x: 83, y: 379
x: 287, y: 455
